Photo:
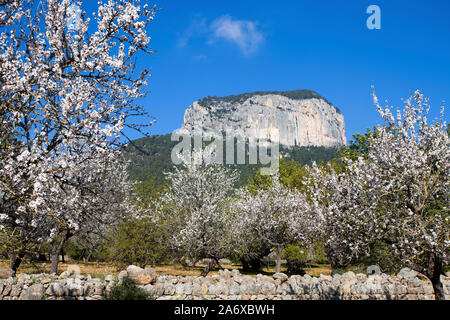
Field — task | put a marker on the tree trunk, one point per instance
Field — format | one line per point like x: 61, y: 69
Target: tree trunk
x: 42, y: 257
x: 56, y: 251
x: 217, y: 263
x: 54, y: 260
x: 87, y: 259
x: 438, y: 288
x: 256, y: 265
x: 436, y: 279
x: 245, y: 265
x: 251, y: 264
x: 15, y: 261
x: 278, y: 265
x: 209, y: 266
x: 335, y: 264
x: 62, y: 255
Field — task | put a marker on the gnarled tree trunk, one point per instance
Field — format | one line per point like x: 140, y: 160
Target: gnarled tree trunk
x: 15, y: 261
x: 435, y: 277
x: 210, y: 265
x: 278, y: 265
x: 56, y: 250
x: 251, y: 265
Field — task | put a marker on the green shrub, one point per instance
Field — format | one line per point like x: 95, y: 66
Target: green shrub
x: 127, y: 290
x: 87, y: 247
x: 318, y: 253
x: 137, y: 241
x: 296, y: 257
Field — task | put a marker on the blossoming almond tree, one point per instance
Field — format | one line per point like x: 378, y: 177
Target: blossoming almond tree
x: 398, y: 193
x: 196, y: 211
x: 87, y: 200
x: 68, y: 89
x: 275, y: 216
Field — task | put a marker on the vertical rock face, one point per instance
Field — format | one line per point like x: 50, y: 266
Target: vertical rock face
x: 301, y: 118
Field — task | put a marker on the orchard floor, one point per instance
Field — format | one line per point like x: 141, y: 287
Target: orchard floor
x: 100, y: 270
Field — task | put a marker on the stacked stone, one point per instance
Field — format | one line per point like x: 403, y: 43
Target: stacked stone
x: 230, y: 285
x: 51, y: 287
x: 226, y: 285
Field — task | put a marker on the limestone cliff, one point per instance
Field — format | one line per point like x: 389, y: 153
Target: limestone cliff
x: 302, y: 117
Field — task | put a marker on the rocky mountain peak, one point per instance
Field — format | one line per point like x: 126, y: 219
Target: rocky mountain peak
x: 300, y: 117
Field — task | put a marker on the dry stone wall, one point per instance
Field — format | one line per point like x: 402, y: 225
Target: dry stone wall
x: 226, y: 285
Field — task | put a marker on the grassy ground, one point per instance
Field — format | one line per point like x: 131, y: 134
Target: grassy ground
x: 315, y: 270
x: 103, y: 268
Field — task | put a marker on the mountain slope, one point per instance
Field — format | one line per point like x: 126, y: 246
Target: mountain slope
x: 157, y: 160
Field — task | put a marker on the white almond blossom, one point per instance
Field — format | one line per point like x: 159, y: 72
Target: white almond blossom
x: 276, y: 216
x: 397, y: 193
x: 196, y: 211
x: 68, y: 89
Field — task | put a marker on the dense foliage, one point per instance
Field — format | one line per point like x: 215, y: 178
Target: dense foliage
x: 150, y: 157
x: 137, y: 241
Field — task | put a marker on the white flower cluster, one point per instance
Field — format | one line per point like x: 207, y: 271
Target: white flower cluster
x: 196, y: 210
x: 68, y: 88
x: 274, y: 217
x: 396, y: 194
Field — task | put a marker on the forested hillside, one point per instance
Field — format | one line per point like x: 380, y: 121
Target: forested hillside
x: 150, y: 158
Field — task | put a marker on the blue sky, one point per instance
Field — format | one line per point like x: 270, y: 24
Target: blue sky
x: 229, y: 47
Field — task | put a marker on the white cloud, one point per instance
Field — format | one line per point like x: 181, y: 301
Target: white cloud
x: 243, y: 33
